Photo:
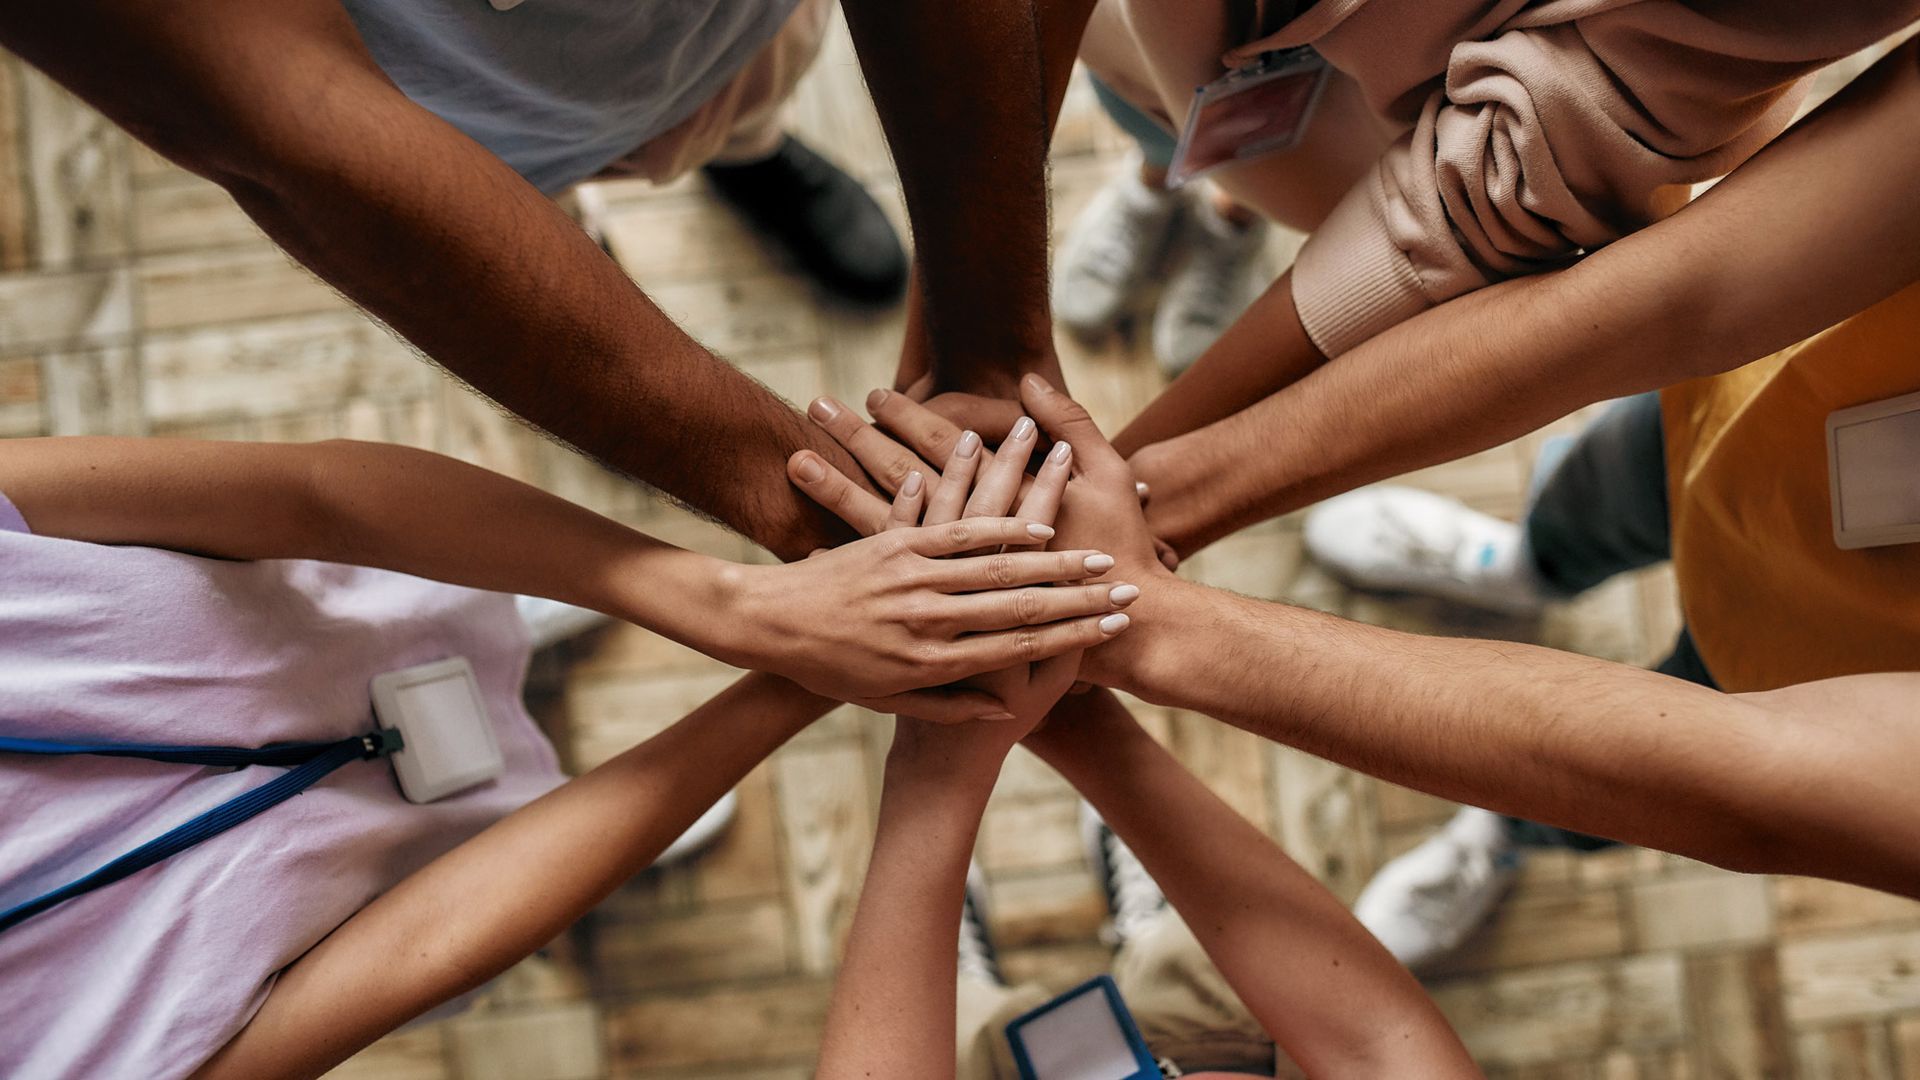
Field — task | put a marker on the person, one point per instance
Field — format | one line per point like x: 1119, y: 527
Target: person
x: 1806, y: 778
x: 1264, y: 956
x: 173, y: 593
x: 400, y: 151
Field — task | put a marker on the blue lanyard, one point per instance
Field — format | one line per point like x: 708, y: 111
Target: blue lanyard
x: 307, y: 763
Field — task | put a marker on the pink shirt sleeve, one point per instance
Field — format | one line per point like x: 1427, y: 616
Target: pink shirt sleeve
x: 10, y: 519
x: 1561, y: 129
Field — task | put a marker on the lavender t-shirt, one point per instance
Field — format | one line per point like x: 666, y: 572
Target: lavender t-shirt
x: 149, y: 976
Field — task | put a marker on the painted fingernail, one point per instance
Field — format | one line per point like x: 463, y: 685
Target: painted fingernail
x: 1040, y: 532
x: 877, y: 399
x: 1123, y: 595
x: 1099, y: 564
x: 1140, y: 488
x: 823, y: 410
x: 968, y: 445
x: 911, y: 487
x: 811, y: 470
x: 997, y: 716
x: 1022, y: 429
x: 1060, y: 453
x: 1114, y: 623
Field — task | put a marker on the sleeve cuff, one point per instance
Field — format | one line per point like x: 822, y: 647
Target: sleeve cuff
x: 1351, y: 281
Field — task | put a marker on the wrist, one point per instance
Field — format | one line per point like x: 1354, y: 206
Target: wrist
x: 1183, y: 503
x: 1169, y: 629
x: 706, y: 603
x: 954, y: 757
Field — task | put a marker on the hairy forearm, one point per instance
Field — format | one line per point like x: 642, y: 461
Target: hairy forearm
x: 1569, y: 740
x: 893, y: 1005
x: 494, y: 899
x: 1334, y: 1000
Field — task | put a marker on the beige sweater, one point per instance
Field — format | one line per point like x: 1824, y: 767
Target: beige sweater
x: 1542, y: 128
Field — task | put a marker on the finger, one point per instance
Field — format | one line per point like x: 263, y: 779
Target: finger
x: 1029, y: 644
x: 952, y: 538
x: 826, y: 485
x: 921, y: 388
x: 950, y: 498
x: 1010, y: 569
x: 1067, y: 421
x: 1000, y: 479
x: 1042, y: 500
x: 885, y: 460
x: 942, y: 705
x: 1007, y: 608
x: 925, y: 432
x: 905, y: 511
x: 1169, y: 558
x: 990, y: 416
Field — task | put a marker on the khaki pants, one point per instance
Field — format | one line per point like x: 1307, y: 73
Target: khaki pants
x: 1185, y: 1010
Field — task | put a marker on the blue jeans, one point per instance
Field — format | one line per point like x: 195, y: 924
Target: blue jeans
x: 1599, y: 508
x: 1156, y: 143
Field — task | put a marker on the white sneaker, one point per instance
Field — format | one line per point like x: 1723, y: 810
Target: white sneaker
x: 1423, y: 904
x: 705, y: 830
x: 1398, y: 539
x: 1134, y: 899
x: 1215, y: 281
x: 1109, y: 250
x: 978, y: 958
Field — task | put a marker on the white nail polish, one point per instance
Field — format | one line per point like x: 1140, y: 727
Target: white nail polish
x: 1040, y: 532
x: 1099, y: 564
x: 1124, y: 594
x: 1114, y: 623
x: 1060, y: 453
x: 1022, y: 429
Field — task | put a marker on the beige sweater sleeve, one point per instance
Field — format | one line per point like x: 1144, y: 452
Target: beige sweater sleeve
x: 1555, y: 128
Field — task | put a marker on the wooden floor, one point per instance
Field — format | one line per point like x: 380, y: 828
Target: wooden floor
x: 135, y: 299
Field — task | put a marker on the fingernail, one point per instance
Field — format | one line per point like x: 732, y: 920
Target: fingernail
x: 877, y: 399
x: 1036, y: 382
x: 1040, y: 532
x: 1114, y: 623
x: 1060, y: 453
x: 968, y: 445
x: 823, y: 410
x: 1140, y: 488
x: 1099, y: 564
x: 811, y: 470
x: 997, y: 716
x: 911, y: 488
x: 1023, y: 429
x: 1124, y: 594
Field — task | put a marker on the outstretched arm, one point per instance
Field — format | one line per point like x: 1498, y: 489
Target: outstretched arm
x: 1320, y: 985
x: 281, y: 104
x: 1702, y: 292
x: 487, y: 904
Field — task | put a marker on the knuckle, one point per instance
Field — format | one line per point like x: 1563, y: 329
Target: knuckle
x: 1026, y: 645
x: 894, y: 470
x: 1027, y: 605
x: 960, y: 535
x: 1000, y: 570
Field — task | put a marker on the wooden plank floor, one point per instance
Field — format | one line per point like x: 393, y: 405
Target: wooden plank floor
x: 134, y: 298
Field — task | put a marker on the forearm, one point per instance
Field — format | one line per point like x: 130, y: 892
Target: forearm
x: 494, y: 899
x: 1569, y: 740
x: 1335, y: 1001
x: 893, y: 1005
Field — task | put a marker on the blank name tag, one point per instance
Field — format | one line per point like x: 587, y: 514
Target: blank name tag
x: 1873, y: 469
x: 1251, y: 112
x: 438, y: 710
x: 1084, y: 1034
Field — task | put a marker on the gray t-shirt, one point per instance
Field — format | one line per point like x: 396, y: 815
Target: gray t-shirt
x: 559, y: 89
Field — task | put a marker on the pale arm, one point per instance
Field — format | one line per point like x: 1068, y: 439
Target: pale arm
x: 492, y: 901
x: 1317, y: 982
x: 1820, y: 225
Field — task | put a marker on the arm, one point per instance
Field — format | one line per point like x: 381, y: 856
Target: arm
x: 892, y: 1011
x: 492, y: 901
x: 904, y: 617
x: 281, y: 105
x: 1320, y: 985
x: 1818, y: 226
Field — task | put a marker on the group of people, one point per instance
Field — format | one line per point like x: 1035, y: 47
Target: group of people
x: 1500, y: 232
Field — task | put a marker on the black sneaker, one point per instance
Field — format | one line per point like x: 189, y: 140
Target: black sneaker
x: 978, y: 958
x: 1134, y: 899
x: 822, y: 216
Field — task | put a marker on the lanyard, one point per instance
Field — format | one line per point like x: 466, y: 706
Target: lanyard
x: 307, y: 762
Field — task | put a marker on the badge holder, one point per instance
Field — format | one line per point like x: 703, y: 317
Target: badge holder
x: 448, y: 741
x: 1873, y: 473
x: 1250, y: 112
x: 1084, y: 1034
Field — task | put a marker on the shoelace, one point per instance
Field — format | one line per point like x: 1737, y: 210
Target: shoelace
x: 1136, y: 897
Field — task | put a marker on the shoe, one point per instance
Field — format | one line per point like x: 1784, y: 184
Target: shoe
x: 833, y: 228
x: 1423, y: 904
x: 978, y: 958
x: 1214, y: 282
x: 549, y: 622
x: 1107, y: 253
x: 1134, y: 899
x: 705, y: 830
x: 1398, y: 539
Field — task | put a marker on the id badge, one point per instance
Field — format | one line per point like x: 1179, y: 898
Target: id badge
x: 449, y: 745
x: 1084, y: 1034
x: 1873, y: 473
x: 1250, y: 112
